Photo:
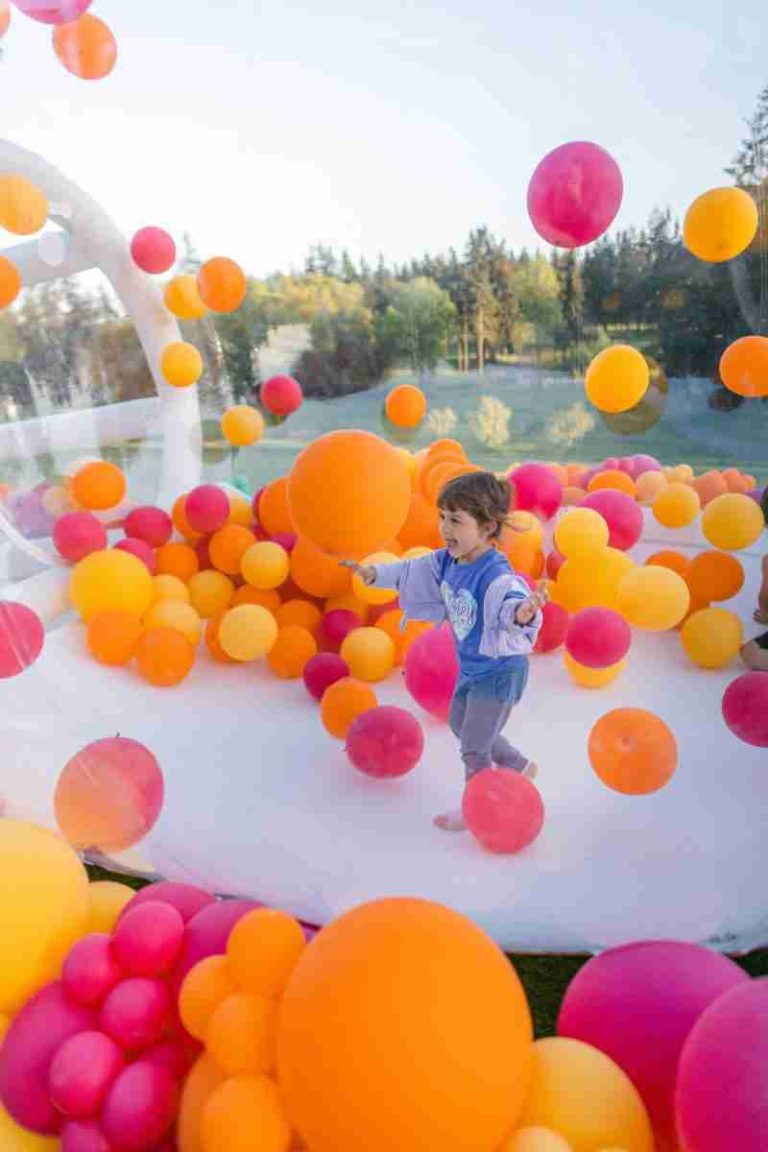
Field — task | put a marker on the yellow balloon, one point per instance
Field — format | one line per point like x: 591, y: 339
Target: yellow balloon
x: 617, y: 378
x: 183, y: 299
x: 592, y: 677
x: 106, y: 900
x: 240, y: 511
x: 181, y: 364
x: 535, y: 1140
x: 592, y: 581
x: 23, y: 207
x: 242, y: 425
x: 720, y: 224
x: 732, y: 522
x: 265, y: 565
x: 177, y: 615
x: 43, y: 908
x: 110, y: 579
x: 372, y: 595
x: 414, y: 553
x: 580, y: 531
x: 247, y: 632
x: 169, y: 587
x: 676, y: 505
x: 211, y: 593
x: 16, y: 1139
x: 649, y: 485
x: 369, y: 653
x: 580, y: 1093
x: 654, y: 598
x: 712, y: 637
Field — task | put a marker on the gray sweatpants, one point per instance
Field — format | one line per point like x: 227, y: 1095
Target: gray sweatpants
x: 479, y: 710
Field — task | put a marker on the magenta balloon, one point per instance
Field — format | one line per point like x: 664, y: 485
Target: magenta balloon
x: 622, y: 514
x: 153, y: 250
x: 152, y: 525
x: 645, y: 464
x: 21, y: 638
x: 148, y: 939
x: 745, y: 708
x: 336, y: 625
x: 503, y: 810
x: 286, y: 540
x: 91, y: 970
x: 82, y: 1072
x: 598, y: 637
x: 207, y: 933
x: 574, y: 194
x: 176, y: 1056
x: 638, y: 1004
x: 29, y: 1046
x: 722, y: 1080
x: 53, y: 11
x: 77, y: 534
x: 554, y: 628
x: 136, y: 1012
x: 281, y: 395
x: 323, y: 670
x: 83, y: 1136
x: 385, y: 742
x: 537, y: 490
x: 140, y: 550
x: 207, y: 508
x: 431, y: 671
x: 185, y: 898
x: 141, y: 1107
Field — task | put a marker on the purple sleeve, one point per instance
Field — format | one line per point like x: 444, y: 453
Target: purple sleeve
x: 417, y: 582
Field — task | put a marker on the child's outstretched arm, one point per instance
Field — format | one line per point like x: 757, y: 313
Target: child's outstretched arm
x: 528, y: 608
x: 415, y: 581
x: 761, y: 612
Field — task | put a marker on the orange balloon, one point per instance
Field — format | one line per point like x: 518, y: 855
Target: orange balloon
x: 86, y: 47
x: 243, y: 1114
x: 317, y: 573
x: 23, y: 206
x: 446, y: 446
x: 263, y: 950
x: 390, y: 622
x: 180, y: 522
x: 406, y: 406
x: 274, y: 513
x: 198, y: 1088
x: 632, y: 751
x: 438, y: 475
x: 422, y: 524
x: 294, y: 648
x: 350, y: 603
x: 709, y: 486
x: 211, y: 637
x: 591, y: 581
x: 714, y: 576
x: 175, y: 559
x: 221, y: 284
x: 164, y: 657
x: 267, y: 598
x: 98, y: 486
x: 240, y: 1035
x: 613, y: 479
x: 10, y: 282
x: 205, y: 988
x: 227, y: 547
x: 454, y: 1076
x: 349, y: 493
x: 299, y: 614
x: 677, y: 505
x: 343, y: 702
x: 183, y: 299
x: 113, y: 635
x: 744, y: 366
x: 572, y: 496
x: 669, y: 559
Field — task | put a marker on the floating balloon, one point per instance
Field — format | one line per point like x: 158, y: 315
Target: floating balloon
x: 242, y: 425
x: 574, y: 194
x: 617, y: 378
x: 622, y: 515
x: 221, y: 284
x: 653, y: 598
x: 321, y: 671
x: 370, y: 654
x: 10, y: 282
x: 153, y: 250
x: 431, y: 671
x: 183, y: 299
x: 598, y: 637
x: 744, y: 366
x: 503, y: 810
x: 281, y: 395
x: 98, y: 486
x: 181, y: 364
x: 732, y: 522
x: 343, y: 702
x: 385, y: 742
x: 23, y: 207
x: 86, y: 47
x: 712, y: 637
x: 536, y: 489
x: 406, y: 406
x: 745, y: 708
x: 21, y: 638
x: 720, y: 224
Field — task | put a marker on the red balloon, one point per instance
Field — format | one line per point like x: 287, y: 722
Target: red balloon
x: 152, y: 525
x: 136, y: 1013
x: 83, y: 1136
x: 553, y: 629
x: 82, y: 1072
x: 431, y: 671
x: 335, y: 626
x: 153, y: 250
x: 323, y: 670
x: 141, y: 1107
x: 77, y: 534
x: 286, y: 540
x: 598, y: 637
x: 555, y: 562
x: 185, y: 898
x: 575, y: 194
x: 140, y: 550
x: 385, y: 742
x: 281, y: 395
x: 21, y: 638
x: 537, y: 489
x: 91, y: 970
x: 206, y: 508
x: 148, y: 939
x: 745, y: 708
x: 503, y: 810
x: 53, y: 11
x: 622, y: 514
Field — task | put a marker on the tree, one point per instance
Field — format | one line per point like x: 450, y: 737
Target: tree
x: 749, y: 169
x: 241, y: 334
x: 481, y: 259
x: 571, y: 293
x: 417, y: 324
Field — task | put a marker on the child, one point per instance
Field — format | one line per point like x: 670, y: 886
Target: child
x: 754, y: 654
x: 494, y: 617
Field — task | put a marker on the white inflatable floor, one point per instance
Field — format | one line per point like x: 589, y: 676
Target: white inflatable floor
x: 261, y: 801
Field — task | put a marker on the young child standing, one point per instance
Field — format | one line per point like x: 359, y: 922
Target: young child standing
x: 494, y: 617
x: 754, y: 654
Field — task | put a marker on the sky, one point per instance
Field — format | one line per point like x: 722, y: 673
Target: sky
x: 263, y: 128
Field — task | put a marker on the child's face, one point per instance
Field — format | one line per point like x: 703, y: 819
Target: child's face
x: 463, y: 535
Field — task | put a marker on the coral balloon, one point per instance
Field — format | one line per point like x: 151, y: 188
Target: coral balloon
x: 592, y: 677
x: 632, y: 751
x: 10, y: 282
x: 86, y: 47
x: 720, y: 224
x: 221, y: 284
x: 421, y: 525
x: 744, y: 366
x: 732, y: 522
x: 321, y: 671
x: 503, y: 810
x: 745, y: 708
x: 281, y: 395
x: 164, y: 656
x: 242, y: 425
x: 385, y: 742
x: 181, y: 364
x: 112, y: 636
x: 263, y: 950
x: 617, y: 378
x: 598, y: 637
x: 581, y: 531
x: 82, y: 1072
x: 431, y: 671
x: 98, y: 486
x: 370, y: 654
x: 21, y: 638
x: 349, y: 493
x: 537, y: 489
x: 183, y: 299
x: 23, y: 206
x: 406, y: 406
x: 712, y: 637
x: 343, y: 702
x: 653, y: 598
x: 554, y: 628
x: 621, y: 513
x: 370, y: 974
x: 574, y: 194
x: 714, y: 576
x: 153, y: 250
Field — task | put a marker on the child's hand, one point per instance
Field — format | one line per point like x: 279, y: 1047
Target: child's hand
x: 760, y: 617
x: 530, y: 606
x: 366, y: 572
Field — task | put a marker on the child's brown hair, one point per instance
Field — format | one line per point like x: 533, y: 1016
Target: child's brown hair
x: 487, y: 498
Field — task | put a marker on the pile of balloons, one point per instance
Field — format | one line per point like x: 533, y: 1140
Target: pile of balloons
x: 83, y: 43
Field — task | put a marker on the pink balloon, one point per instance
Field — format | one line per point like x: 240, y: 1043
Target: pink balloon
x: 722, y: 1086
x: 323, y: 670
x: 53, y: 11
x: 153, y: 250
x: 140, y: 550
x: 32, y: 1041
x: 598, y: 637
x: 21, y: 638
x: 207, y: 934
x: 175, y: 1055
x: 82, y: 1072
x: 638, y: 1004
x: 645, y: 464
x: 503, y: 810
x: 575, y: 194
x: 148, y: 939
x: 136, y: 1013
x: 745, y: 708
x: 281, y: 395
x: 185, y: 898
x: 152, y: 525
x: 77, y: 534
x: 622, y: 514
x: 83, y: 1136
x: 610, y: 464
x: 91, y: 971
x: 335, y: 626
x: 385, y: 742
x: 286, y: 540
x: 537, y: 489
x: 206, y: 508
x: 553, y: 629
x: 141, y: 1107
x: 431, y: 671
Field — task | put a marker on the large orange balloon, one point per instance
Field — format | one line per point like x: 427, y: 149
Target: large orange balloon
x: 10, y: 282
x: 632, y: 751
x: 426, y: 1034
x: 422, y: 524
x: 243, y: 1114
x: 274, y: 512
x: 86, y: 47
x: 199, y: 1086
x: 349, y: 493
x: 744, y: 366
x: 316, y: 573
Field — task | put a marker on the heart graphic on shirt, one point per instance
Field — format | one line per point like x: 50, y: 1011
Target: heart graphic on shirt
x: 462, y: 610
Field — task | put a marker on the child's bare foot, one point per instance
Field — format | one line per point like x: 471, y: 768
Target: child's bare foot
x: 450, y: 821
x: 531, y: 770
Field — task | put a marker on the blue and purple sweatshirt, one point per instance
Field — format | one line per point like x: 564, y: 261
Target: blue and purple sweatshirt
x: 479, y: 600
